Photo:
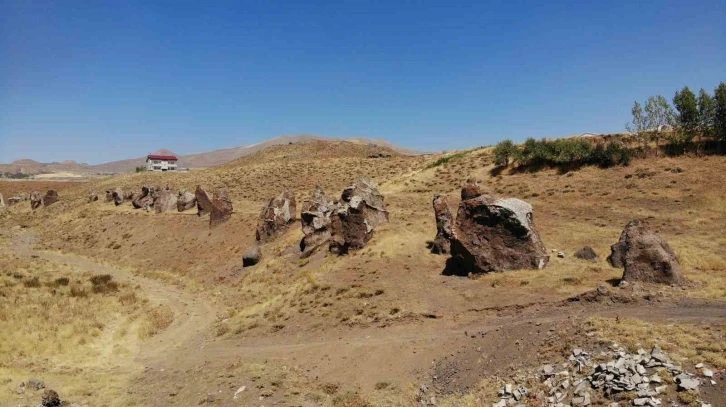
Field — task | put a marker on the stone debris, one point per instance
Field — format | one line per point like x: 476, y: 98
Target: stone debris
x: 561, y: 255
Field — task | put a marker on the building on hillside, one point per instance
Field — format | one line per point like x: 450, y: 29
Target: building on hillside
x: 158, y: 162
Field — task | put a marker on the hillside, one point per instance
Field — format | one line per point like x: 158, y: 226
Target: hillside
x: 27, y: 166
x: 370, y: 328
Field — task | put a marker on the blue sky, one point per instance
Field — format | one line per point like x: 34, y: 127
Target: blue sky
x: 100, y: 81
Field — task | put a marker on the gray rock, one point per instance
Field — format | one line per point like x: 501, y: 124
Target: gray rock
x: 586, y: 253
x: 35, y: 384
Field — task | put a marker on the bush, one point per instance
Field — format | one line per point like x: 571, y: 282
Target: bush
x: 505, y: 151
x: 562, y: 153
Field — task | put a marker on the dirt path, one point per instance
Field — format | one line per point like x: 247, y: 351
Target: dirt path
x: 192, y: 314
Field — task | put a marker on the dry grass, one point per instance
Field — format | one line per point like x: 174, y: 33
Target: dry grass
x: 57, y: 325
x: 156, y: 321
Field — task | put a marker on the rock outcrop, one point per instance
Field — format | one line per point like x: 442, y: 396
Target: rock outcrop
x: 118, y: 196
x: 185, y: 201
x: 644, y: 255
x: 360, y: 211
x: 251, y: 256
x: 50, y: 197
x: 92, y: 197
x: 35, y: 200
x: 315, y: 218
x: 586, y: 253
x: 444, y: 226
x: 145, y: 200
x: 470, y: 190
x: 492, y: 234
x: 276, y: 217
x: 221, y: 208
x: 164, y: 201
x: 109, y: 195
x: 204, y: 201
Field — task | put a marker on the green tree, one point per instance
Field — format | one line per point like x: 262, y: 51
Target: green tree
x: 658, y: 115
x: 639, y: 123
x: 719, y: 116
x: 687, y: 106
x: 505, y: 151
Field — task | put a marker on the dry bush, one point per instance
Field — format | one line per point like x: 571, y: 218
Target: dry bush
x: 156, y: 321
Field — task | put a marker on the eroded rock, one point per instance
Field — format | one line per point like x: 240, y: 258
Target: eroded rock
x: 164, y: 201
x: 276, y: 216
x: 316, y: 223
x: 492, y: 234
x: 185, y: 201
x: 444, y: 225
x: 360, y: 211
x: 644, y: 255
x: 35, y: 200
x: 92, y: 197
x: 50, y: 399
x: 221, y: 208
x: 118, y: 196
x: 204, y: 201
x: 586, y: 253
x: 145, y: 200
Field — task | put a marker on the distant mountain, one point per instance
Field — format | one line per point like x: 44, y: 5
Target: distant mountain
x: 199, y: 160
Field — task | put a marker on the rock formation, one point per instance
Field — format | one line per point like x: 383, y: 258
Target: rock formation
x: 470, y: 190
x: 145, y: 200
x: 109, y: 195
x: 354, y: 220
x: 35, y: 200
x: 50, y: 197
x: 276, y: 216
x: 493, y: 234
x: 315, y: 218
x: 204, y: 201
x: 444, y: 226
x: 92, y: 197
x: 221, y: 208
x: 164, y: 201
x: 185, y: 201
x: 586, y: 253
x: 118, y: 196
x: 644, y: 255
x: 252, y: 256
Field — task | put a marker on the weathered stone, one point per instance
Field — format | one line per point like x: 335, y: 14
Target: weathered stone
x: 145, y: 200
x: 444, y: 226
x: 35, y: 200
x: 185, y: 201
x: 316, y: 223
x: 221, y: 208
x: 36, y: 384
x: 251, y: 256
x: 92, y: 197
x: 109, y: 195
x: 493, y: 234
x: 276, y: 216
x: 645, y: 256
x: 352, y: 224
x: 118, y: 196
x: 586, y: 253
x: 50, y: 399
x: 470, y: 190
x: 164, y: 201
x: 204, y: 201
x: 128, y: 195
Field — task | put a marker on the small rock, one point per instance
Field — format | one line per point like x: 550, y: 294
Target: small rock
x: 561, y: 255
x: 707, y: 373
x: 36, y: 384
x: 700, y: 365
x: 50, y: 399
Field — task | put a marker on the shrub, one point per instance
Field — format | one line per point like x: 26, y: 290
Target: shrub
x: 100, y: 279
x: 33, y: 282
x: 505, y: 151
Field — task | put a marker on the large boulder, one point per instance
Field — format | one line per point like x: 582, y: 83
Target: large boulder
x: 360, y: 211
x: 492, y: 234
x: 109, y: 195
x: 315, y: 218
x: 204, y: 201
x: 644, y: 255
x: 35, y: 200
x: 276, y: 216
x: 118, y: 196
x: 164, y: 201
x: 185, y: 201
x: 145, y: 199
x: 221, y: 208
x: 444, y: 226
x: 50, y: 197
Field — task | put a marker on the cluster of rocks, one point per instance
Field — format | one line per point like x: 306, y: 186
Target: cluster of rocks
x: 37, y: 200
x: 631, y: 378
x: 489, y: 234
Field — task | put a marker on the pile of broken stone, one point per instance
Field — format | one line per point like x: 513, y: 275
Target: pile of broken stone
x: 633, y: 377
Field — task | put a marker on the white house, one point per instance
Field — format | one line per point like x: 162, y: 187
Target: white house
x: 158, y: 162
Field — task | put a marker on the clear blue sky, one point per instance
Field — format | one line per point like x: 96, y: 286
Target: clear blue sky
x: 95, y: 81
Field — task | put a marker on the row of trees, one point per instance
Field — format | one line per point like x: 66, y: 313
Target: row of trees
x: 701, y: 115
x: 563, y: 153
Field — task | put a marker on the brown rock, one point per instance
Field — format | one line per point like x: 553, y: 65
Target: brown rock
x: 221, y: 208
x: 315, y: 219
x: 204, y: 201
x: 50, y: 399
x: 586, y: 253
x: 92, y: 197
x: 118, y: 196
x: 164, y: 201
x: 50, y: 197
x: 276, y: 216
x: 496, y: 234
x: 352, y: 223
x: 185, y: 201
x: 35, y: 200
x: 645, y: 256
x: 144, y: 200
x: 471, y: 189
x: 109, y: 195
x: 444, y: 226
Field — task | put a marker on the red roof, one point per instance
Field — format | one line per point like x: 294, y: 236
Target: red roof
x: 162, y: 157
